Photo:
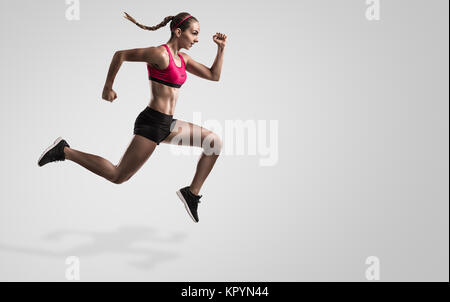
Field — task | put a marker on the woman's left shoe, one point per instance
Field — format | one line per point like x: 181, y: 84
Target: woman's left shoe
x: 190, y: 201
x: 54, y: 152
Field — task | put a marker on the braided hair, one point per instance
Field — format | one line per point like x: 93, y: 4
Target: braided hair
x: 175, y: 20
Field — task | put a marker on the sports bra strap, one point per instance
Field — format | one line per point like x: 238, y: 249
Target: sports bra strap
x: 170, y: 55
x: 173, y: 60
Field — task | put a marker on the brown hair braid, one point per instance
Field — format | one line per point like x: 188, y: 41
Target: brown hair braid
x: 175, y: 20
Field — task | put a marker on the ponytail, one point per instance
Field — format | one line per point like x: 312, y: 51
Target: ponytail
x: 163, y: 23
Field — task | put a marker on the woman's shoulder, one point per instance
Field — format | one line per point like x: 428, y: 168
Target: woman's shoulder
x: 160, y: 57
x: 161, y: 50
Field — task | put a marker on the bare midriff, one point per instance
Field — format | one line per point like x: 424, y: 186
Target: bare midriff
x: 163, y: 98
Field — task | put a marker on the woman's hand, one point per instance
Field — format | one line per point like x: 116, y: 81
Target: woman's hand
x: 220, y: 39
x: 109, y: 94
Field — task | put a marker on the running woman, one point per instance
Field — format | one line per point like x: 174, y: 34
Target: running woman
x: 167, y: 67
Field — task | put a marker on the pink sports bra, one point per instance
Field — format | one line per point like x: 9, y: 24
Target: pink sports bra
x: 172, y: 76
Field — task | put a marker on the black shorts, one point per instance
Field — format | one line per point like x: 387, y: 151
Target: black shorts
x: 154, y: 125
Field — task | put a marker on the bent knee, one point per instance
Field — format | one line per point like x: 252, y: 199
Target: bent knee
x: 218, y: 144
x: 212, y: 144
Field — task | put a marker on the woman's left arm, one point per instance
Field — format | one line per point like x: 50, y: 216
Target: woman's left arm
x: 216, y: 68
x: 202, y: 71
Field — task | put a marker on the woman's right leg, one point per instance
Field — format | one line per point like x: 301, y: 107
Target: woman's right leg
x: 134, y: 157
x: 185, y: 132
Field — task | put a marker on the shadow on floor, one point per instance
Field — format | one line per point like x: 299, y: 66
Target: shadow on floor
x: 124, y: 240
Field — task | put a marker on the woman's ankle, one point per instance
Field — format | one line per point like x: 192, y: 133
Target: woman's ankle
x: 66, y: 152
x: 194, y: 191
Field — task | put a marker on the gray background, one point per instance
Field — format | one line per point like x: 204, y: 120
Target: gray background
x: 363, y: 144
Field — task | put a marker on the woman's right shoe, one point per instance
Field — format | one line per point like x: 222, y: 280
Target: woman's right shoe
x: 54, y: 152
x: 190, y: 202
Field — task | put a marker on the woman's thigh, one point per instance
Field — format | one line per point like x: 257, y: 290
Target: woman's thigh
x: 189, y: 134
x: 137, y: 153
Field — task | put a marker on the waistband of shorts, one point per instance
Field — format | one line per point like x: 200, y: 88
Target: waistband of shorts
x: 158, y: 114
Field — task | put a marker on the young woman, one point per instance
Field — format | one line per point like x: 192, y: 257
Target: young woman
x: 167, y: 67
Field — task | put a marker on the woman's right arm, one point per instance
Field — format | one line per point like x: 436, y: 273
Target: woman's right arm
x: 148, y: 55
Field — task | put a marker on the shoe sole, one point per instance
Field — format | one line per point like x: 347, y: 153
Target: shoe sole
x: 48, y: 149
x: 180, y: 195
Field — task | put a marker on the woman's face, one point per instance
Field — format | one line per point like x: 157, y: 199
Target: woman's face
x: 190, y: 35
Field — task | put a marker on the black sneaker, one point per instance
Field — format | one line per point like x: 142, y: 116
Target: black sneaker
x: 53, y: 153
x: 190, y: 201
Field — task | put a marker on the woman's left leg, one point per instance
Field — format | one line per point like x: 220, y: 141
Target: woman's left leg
x: 188, y: 134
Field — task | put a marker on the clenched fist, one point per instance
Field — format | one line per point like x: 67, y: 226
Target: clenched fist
x: 109, y: 94
x: 220, y: 39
